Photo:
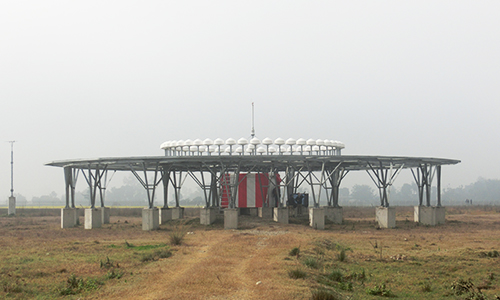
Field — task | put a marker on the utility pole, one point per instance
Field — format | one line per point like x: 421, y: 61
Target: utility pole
x: 12, y: 199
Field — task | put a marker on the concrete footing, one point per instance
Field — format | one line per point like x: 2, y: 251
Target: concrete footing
x: 296, y: 211
x: 77, y: 216
x: 317, y: 218
x: 440, y: 215
x: 231, y: 218
x: 104, y: 214
x: 280, y: 215
x: 334, y: 214
x: 165, y: 215
x: 177, y: 213
x: 208, y: 215
x: 93, y: 218
x: 248, y: 211
x: 429, y: 215
x: 150, y: 218
x: 12, y: 206
x: 68, y: 217
x: 386, y: 217
x: 265, y: 212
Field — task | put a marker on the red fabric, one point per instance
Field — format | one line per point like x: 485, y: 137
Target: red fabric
x: 260, y: 194
x: 242, y: 190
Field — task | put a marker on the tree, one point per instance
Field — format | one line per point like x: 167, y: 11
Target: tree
x: 363, y: 195
x: 47, y: 200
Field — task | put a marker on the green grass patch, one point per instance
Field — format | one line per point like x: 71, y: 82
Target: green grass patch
x: 297, y: 273
x: 75, y: 285
x: 380, y: 290
x: 144, y: 247
x: 156, y: 255
x: 312, y: 262
x: 324, y: 294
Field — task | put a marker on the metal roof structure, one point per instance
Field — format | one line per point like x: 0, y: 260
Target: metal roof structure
x: 251, y: 163
x: 322, y: 168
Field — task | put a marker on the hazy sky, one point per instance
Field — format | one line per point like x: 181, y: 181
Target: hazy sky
x: 85, y: 79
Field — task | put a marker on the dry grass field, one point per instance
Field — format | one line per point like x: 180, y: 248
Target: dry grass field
x: 261, y: 260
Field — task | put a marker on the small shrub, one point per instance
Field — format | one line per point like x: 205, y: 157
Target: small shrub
x: 294, y: 252
x: 177, y: 235
x: 380, y: 290
x: 324, y: 294
x: 297, y: 274
x: 467, y: 288
x: 112, y: 274
x: 327, y: 244
x: 426, y: 287
x: 75, y: 285
x: 336, y: 275
x: 108, y: 264
x: 312, y: 263
x: 162, y: 253
x: 147, y: 257
x: 346, y: 286
x: 342, y: 255
x: 92, y: 284
x: 493, y: 253
x: 359, y: 276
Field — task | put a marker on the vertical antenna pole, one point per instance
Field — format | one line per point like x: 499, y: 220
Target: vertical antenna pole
x: 12, y: 168
x: 253, y: 129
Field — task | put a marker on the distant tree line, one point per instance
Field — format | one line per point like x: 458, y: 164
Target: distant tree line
x: 482, y: 192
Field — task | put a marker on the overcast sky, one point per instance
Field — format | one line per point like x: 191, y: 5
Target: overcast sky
x: 85, y: 79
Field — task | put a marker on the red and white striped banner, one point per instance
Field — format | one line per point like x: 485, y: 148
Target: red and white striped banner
x: 252, y: 191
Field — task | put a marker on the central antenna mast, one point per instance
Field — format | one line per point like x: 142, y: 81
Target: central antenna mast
x: 253, y: 129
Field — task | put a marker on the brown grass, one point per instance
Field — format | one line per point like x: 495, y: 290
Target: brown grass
x: 38, y: 257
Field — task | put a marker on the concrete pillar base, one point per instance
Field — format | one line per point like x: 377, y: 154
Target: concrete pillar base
x: 280, y: 215
x: 12, y: 206
x: 297, y: 211
x: 177, y: 213
x: 317, y: 218
x: 93, y: 218
x: 429, y: 215
x: 68, y: 217
x: 440, y: 215
x: 334, y: 214
x: 208, y: 215
x: 77, y: 216
x: 150, y: 218
x: 248, y: 211
x: 105, y: 214
x: 386, y: 217
x: 231, y: 218
x: 165, y: 215
x: 265, y: 212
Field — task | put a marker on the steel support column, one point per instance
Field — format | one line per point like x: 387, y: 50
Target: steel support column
x: 149, y: 187
x: 68, y: 179
x: 165, y: 174
x: 438, y: 170
x: 423, y: 179
x: 383, y: 180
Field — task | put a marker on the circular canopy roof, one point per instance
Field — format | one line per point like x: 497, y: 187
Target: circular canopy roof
x: 254, y: 163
